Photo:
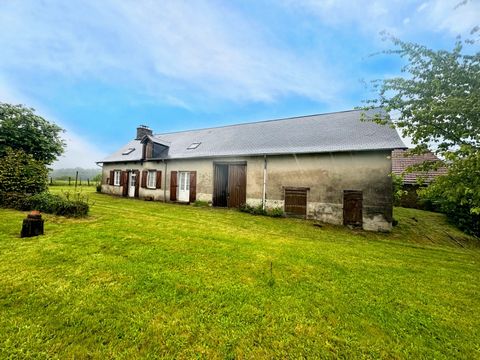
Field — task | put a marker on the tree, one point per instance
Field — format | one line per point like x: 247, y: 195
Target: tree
x: 22, y: 129
x: 437, y: 105
x: 438, y: 101
x: 20, y: 173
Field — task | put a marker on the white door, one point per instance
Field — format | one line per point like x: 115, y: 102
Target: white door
x: 184, y: 186
x: 132, y: 182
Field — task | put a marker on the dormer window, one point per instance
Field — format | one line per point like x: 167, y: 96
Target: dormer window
x: 193, y: 145
x: 128, y: 151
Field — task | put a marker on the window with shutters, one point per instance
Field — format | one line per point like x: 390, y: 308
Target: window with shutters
x: 116, y: 177
x: 152, y: 179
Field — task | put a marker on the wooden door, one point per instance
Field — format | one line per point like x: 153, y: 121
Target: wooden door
x: 220, y: 185
x: 296, y: 202
x: 352, y: 208
x: 237, y: 185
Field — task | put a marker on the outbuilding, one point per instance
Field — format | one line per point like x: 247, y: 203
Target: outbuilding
x: 332, y: 167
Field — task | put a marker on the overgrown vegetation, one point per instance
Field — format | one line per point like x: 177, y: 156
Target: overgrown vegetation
x: 66, y: 204
x: 20, y: 173
x: 143, y: 279
x: 458, y: 194
x: 438, y: 103
x: 259, y: 210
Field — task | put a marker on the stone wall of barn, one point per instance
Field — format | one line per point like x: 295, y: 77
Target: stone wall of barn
x: 325, y: 175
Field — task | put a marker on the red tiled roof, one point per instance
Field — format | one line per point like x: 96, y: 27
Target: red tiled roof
x: 401, y: 161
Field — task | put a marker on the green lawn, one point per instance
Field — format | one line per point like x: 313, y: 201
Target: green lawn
x: 146, y: 279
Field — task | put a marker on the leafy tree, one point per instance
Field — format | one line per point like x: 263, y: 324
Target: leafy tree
x: 22, y: 129
x: 21, y: 173
x: 439, y: 99
x: 437, y: 104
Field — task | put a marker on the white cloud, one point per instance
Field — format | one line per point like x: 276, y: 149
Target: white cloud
x: 79, y: 152
x: 164, y: 48
x: 396, y: 16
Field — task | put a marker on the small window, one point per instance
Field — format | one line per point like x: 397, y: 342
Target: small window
x: 116, y: 177
x: 193, y: 146
x: 128, y: 151
x: 152, y: 179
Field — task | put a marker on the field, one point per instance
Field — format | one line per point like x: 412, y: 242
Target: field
x: 144, y: 279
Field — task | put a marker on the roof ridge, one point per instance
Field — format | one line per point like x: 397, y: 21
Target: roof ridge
x: 258, y: 122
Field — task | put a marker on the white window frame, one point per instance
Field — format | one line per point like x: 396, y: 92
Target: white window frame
x: 116, y: 177
x: 152, y: 179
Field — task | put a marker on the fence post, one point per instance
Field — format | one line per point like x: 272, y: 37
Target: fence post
x: 76, y: 179
x: 69, y: 179
x: 88, y: 182
x: 51, y: 181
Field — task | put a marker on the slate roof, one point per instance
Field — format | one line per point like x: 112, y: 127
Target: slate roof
x: 332, y: 132
x: 401, y: 161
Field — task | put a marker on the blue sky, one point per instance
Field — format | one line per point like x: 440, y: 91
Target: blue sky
x: 100, y: 68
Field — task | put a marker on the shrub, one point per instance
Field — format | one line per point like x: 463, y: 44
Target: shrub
x: 457, y: 194
x: 99, y: 188
x: 254, y: 210
x: 276, y: 212
x: 201, y: 203
x: 21, y: 173
x: 56, y: 204
x: 258, y: 210
x: 13, y: 200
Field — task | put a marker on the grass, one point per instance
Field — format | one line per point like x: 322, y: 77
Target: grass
x: 144, y: 279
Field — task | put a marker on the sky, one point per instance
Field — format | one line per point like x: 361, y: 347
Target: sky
x: 101, y: 68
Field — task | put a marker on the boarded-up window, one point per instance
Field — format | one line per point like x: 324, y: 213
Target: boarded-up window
x: 296, y: 202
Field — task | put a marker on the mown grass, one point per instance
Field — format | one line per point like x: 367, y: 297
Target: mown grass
x: 144, y: 279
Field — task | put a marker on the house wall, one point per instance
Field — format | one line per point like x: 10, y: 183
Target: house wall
x: 326, y: 176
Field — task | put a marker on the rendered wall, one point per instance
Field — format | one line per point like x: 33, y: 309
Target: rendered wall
x: 326, y: 176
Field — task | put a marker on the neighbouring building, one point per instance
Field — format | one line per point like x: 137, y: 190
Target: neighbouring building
x: 331, y: 167
x: 402, y: 160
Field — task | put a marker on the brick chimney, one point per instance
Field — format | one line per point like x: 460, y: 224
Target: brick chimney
x: 143, y: 130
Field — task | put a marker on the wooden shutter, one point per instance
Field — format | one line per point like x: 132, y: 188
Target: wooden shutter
x: 137, y: 183
x: 159, y: 180
x: 144, y: 178
x: 111, y: 180
x: 173, y: 186
x: 124, y: 182
x: 193, y: 186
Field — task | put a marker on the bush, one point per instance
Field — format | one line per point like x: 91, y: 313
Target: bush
x: 13, y: 200
x: 58, y: 205
x: 99, y: 188
x: 258, y: 210
x: 457, y: 194
x: 47, y: 203
x: 21, y: 173
x: 276, y: 212
x: 201, y: 203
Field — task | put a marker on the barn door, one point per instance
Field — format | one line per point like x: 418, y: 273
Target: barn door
x: 352, y: 208
x: 220, y: 185
x: 237, y: 185
x: 296, y: 202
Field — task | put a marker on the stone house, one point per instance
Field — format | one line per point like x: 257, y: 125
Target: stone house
x: 331, y: 167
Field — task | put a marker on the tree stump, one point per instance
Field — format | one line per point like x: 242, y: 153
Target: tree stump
x: 32, y: 225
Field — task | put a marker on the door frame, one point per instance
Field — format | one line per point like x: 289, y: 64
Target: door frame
x: 227, y: 187
x: 186, y: 192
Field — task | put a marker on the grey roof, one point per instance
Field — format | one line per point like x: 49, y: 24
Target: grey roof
x: 332, y: 132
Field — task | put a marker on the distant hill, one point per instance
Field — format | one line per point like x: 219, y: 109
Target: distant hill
x: 83, y: 174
